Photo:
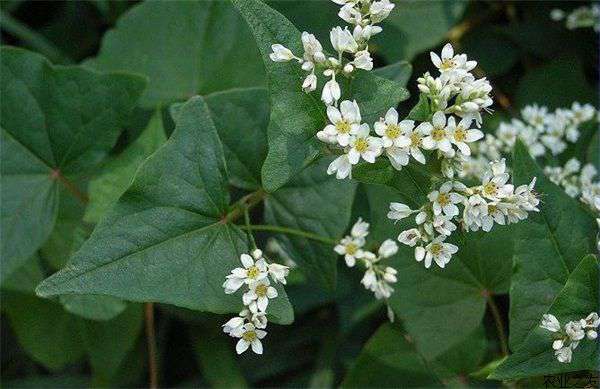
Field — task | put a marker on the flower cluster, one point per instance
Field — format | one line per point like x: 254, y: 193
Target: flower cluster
x: 454, y: 92
x: 378, y: 277
x: 249, y: 325
x: 577, y: 181
x: 581, y: 17
x: 363, y: 15
x: 494, y: 200
x: 567, y: 339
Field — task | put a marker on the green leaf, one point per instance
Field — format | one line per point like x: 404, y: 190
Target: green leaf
x: 457, y: 293
x: 415, y: 26
x: 169, y: 238
x: 57, y: 124
x: 318, y: 203
x: 107, y: 343
x: 535, y: 356
x: 45, y: 331
x: 216, y: 357
x: 399, y: 72
x: 25, y: 278
x: 93, y: 307
x: 495, y: 52
x: 184, y: 48
x: 297, y: 116
x: 548, y: 247
x: 389, y: 360
x: 556, y: 85
x: 118, y: 173
x: 241, y: 117
x: 422, y: 111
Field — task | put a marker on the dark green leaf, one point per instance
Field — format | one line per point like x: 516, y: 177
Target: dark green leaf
x: 184, y: 47
x: 399, y: 72
x: 535, y: 356
x: 168, y: 238
x: 389, y: 360
x: 318, y: 203
x: 548, y: 247
x: 118, y: 173
x: 57, y: 123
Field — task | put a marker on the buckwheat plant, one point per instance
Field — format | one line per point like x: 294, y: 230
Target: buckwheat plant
x: 567, y: 338
x: 456, y: 99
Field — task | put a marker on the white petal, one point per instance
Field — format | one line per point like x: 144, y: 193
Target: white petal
x: 241, y: 346
x: 257, y: 346
x: 391, y: 116
x: 334, y: 114
x: 247, y: 260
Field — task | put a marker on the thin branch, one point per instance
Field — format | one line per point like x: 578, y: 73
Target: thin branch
x: 32, y: 39
x: 151, y: 338
x: 57, y: 175
x: 249, y: 228
x: 499, y: 323
x: 291, y: 231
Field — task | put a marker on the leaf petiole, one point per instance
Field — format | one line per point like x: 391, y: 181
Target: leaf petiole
x: 290, y: 231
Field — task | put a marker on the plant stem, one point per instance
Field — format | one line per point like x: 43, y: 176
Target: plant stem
x: 57, y: 175
x: 247, y: 202
x: 499, y: 324
x: 249, y: 228
x: 290, y: 231
x: 151, y: 338
x: 32, y: 39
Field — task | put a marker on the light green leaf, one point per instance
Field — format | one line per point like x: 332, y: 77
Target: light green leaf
x: 241, y: 117
x: 184, y: 48
x: 318, y: 203
x: 389, y: 360
x: 548, y: 247
x: 415, y: 26
x: 118, y: 173
x: 297, y: 116
x: 57, y: 123
x: 169, y: 238
x: 535, y: 356
x: 93, y: 307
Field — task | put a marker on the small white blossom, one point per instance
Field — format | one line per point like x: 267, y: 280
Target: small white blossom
x: 399, y: 211
x: 437, y: 135
x: 251, y: 272
x: 363, y: 60
x: 360, y: 229
x: 281, y: 53
x: 257, y: 298
x: 388, y: 248
x: 310, y: 83
x: 341, y: 166
x: 437, y: 251
x: 250, y: 336
x: 380, y: 10
x: 462, y: 134
x: 344, y: 122
x: 363, y: 145
x: 342, y: 40
x: 331, y: 92
x: 564, y: 355
x: 550, y: 322
x: 410, y: 237
x: 278, y: 272
x: 445, y: 200
x: 392, y: 132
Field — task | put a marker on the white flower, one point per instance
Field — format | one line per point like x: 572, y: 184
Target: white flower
x: 591, y: 321
x: 462, y: 134
x: 437, y: 135
x: 445, y: 200
x: 313, y: 51
x: 564, y: 355
x: 380, y: 10
x: 250, y: 336
x: 331, y: 92
x: 365, y: 33
x: 558, y: 344
x: 390, y: 274
x: 310, y: 83
x: 281, y: 53
x: 363, y: 60
x: 234, y: 327
x: 351, y: 249
x: 360, y: 229
x: 278, y: 272
x: 392, y: 132
x: 260, y: 292
x: 388, y: 248
x: 550, y: 322
x: 437, y: 251
x: 574, y: 330
x: 443, y: 224
x: 344, y: 122
x: 399, y: 211
x: 409, y: 237
x: 416, y: 140
x: 363, y: 145
x: 451, y: 64
x: 251, y: 272
x: 494, y: 186
x: 342, y: 40
x: 341, y: 166
x: 526, y: 197
x: 350, y: 14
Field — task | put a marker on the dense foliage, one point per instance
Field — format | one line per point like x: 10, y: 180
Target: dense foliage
x: 150, y: 149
